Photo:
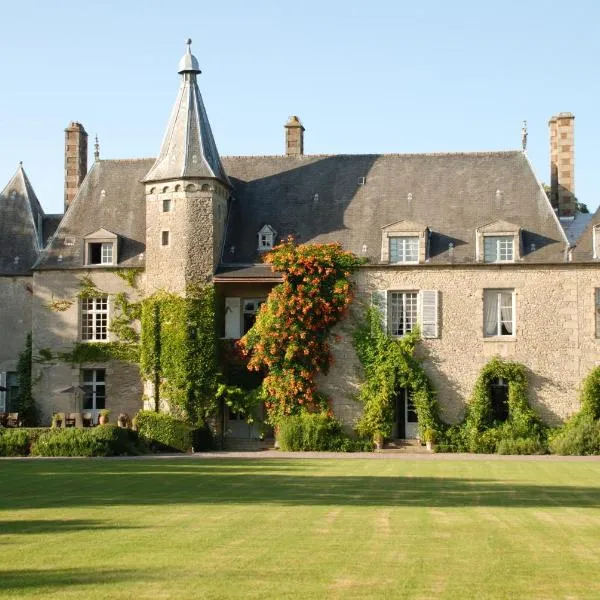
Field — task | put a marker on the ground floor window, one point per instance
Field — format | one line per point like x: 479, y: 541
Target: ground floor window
x: 12, y: 391
x: 250, y: 311
x: 94, y: 384
x: 499, y: 399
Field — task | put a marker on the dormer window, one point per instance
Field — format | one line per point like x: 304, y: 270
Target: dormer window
x: 498, y: 242
x: 101, y: 248
x: 266, y: 238
x: 404, y: 249
x: 498, y: 248
x: 404, y: 242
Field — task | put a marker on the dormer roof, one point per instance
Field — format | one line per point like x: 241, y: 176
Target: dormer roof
x: 188, y: 149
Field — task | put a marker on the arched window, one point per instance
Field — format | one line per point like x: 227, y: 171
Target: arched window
x: 499, y: 399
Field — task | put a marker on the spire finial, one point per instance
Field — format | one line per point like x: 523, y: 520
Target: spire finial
x: 189, y: 45
x: 188, y: 62
x: 96, y: 149
x: 21, y: 163
x: 524, y: 136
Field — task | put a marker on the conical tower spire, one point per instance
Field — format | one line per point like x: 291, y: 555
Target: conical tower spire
x: 188, y: 149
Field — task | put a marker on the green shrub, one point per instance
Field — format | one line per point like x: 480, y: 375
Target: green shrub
x: 14, y: 442
x: 163, y: 432
x: 527, y: 445
x: 580, y: 436
x: 590, y: 394
x: 18, y: 442
x: 317, y: 432
x: 104, y: 440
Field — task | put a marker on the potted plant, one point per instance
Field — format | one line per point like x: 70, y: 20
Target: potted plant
x: 123, y: 420
x: 103, y: 416
x: 429, y: 437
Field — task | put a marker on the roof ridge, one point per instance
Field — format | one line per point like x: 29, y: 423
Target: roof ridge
x: 384, y: 154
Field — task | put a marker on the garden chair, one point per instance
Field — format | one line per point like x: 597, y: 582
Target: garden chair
x: 87, y: 419
x: 3, y: 419
x: 13, y: 420
x: 58, y: 419
x: 69, y: 419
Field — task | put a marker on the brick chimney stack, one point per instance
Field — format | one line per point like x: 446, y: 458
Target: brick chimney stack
x: 562, y: 164
x: 294, y: 137
x: 75, y: 159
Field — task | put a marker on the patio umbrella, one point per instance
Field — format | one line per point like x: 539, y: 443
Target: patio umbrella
x: 75, y: 390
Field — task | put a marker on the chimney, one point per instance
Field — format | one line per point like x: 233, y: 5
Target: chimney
x: 294, y: 137
x: 75, y: 159
x: 562, y: 164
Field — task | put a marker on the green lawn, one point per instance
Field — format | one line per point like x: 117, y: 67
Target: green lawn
x: 190, y: 528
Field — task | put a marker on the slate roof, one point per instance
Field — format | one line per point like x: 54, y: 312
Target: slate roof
x: 20, y: 216
x: 111, y: 196
x: 583, y: 250
x: 321, y: 199
x: 188, y: 148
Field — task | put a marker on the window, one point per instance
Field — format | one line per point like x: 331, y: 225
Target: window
x: 266, y: 238
x: 498, y: 248
x: 499, y: 399
x: 94, y: 319
x: 249, y: 314
x: 498, y: 313
x: 100, y: 253
x: 166, y: 205
x: 12, y: 391
x: 94, y: 384
x: 404, y: 249
x: 403, y: 312
x: 164, y: 239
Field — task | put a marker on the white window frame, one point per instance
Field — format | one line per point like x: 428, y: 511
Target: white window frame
x: 94, y: 329
x: 499, y: 321
x: 403, y: 246
x: 407, y: 324
x: 266, y: 238
x: 107, y: 253
x: 500, y: 241
x: 257, y: 302
x: 94, y: 385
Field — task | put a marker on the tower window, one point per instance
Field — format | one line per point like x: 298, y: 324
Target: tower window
x: 166, y: 205
x: 164, y: 238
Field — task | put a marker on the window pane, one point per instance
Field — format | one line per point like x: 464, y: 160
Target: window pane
x: 498, y: 316
x: 498, y: 248
x: 94, y: 318
x: 166, y: 205
x: 107, y: 254
x: 490, y: 254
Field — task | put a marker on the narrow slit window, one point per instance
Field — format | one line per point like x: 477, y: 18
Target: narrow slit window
x: 165, y: 238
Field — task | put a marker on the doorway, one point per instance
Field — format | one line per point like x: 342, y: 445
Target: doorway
x: 406, y: 423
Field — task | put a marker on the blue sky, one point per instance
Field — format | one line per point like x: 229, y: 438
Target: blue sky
x: 364, y: 77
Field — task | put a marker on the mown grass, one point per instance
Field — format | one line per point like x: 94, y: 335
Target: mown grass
x: 190, y: 528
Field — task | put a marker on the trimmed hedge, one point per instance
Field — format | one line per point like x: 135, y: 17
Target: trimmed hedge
x: 316, y: 432
x: 18, y: 442
x: 163, y: 432
x: 579, y: 436
x: 104, y: 440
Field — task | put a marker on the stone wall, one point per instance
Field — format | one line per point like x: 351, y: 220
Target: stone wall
x: 15, y: 318
x: 555, y: 333
x: 58, y: 331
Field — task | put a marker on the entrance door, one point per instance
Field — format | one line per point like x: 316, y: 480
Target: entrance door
x: 94, y: 383
x: 407, y: 426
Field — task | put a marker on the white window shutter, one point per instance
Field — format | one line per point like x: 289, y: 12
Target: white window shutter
x: 233, y: 318
x: 429, y: 313
x: 2, y: 393
x: 379, y: 301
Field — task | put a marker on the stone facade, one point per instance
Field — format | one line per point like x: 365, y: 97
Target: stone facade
x: 58, y: 331
x: 15, y: 318
x: 195, y: 224
x: 555, y: 334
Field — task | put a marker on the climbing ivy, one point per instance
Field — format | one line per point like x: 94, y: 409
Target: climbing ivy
x: 390, y: 365
x: 179, y: 350
x: 129, y: 276
x: 479, y: 431
x: 88, y: 289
